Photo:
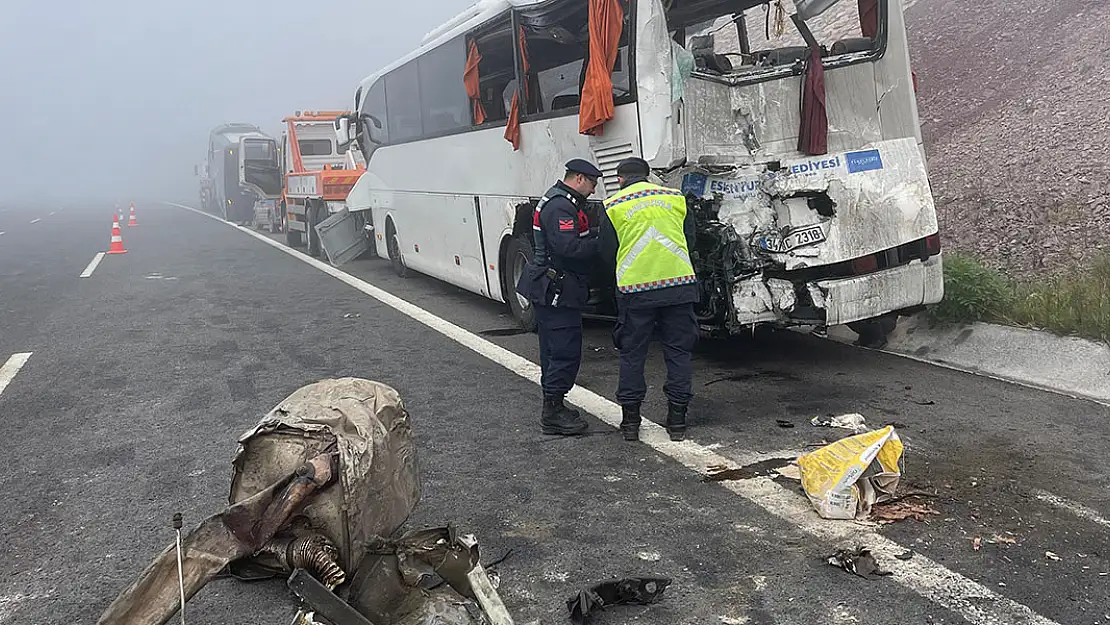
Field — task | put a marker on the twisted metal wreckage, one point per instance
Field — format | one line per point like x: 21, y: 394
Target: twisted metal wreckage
x: 319, y: 488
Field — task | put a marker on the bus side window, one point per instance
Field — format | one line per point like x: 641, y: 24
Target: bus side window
x: 444, y: 105
x: 558, y: 43
x: 496, y: 71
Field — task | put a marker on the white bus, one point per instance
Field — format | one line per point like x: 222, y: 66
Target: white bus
x: 710, y: 92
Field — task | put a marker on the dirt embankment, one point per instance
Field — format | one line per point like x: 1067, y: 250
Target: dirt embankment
x: 1015, y: 110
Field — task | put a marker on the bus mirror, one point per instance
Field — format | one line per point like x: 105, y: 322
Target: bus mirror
x: 342, y: 131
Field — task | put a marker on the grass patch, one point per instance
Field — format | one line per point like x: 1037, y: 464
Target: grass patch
x: 1075, y: 305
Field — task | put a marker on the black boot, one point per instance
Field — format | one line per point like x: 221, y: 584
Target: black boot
x: 676, y: 421
x: 560, y: 420
x: 630, y: 421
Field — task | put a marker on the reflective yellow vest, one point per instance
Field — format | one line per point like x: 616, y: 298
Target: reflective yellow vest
x: 653, y: 251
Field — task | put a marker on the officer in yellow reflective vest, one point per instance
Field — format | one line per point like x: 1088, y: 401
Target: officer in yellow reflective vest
x: 646, y: 235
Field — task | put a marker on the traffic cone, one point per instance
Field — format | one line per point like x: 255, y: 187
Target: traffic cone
x: 131, y: 222
x: 117, y: 239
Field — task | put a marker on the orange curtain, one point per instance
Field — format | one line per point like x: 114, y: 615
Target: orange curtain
x: 512, y: 128
x: 606, y: 22
x: 473, y: 89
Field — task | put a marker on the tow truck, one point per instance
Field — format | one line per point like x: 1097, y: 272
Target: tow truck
x: 317, y: 176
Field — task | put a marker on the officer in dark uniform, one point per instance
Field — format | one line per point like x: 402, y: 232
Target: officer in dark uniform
x: 646, y: 235
x: 556, y: 282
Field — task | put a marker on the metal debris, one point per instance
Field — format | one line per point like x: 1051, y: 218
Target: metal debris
x: 629, y: 591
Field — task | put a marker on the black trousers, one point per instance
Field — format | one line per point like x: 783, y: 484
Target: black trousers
x: 678, y: 332
x: 560, y: 331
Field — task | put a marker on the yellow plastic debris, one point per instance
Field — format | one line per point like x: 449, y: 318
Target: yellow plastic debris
x: 841, y: 479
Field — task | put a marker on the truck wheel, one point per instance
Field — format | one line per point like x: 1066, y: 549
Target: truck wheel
x: 874, y: 333
x: 518, y: 254
x: 312, y: 218
x: 393, y: 244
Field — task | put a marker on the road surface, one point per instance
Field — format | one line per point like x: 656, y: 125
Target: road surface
x: 123, y: 393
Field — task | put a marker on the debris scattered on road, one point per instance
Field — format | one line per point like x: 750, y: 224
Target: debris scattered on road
x: 925, y: 402
x: 858, y: 561
x: 790, y: 471
x: 976, y: 543
x: 763, y: 468
x: 999, y: 539
x: 843, y: 480
x: 352, y: 315
x: 630, y: 591
x: 906, y: 555
x: 854, y: 422
x: 649, y: 556
x: 1051, y: 556
x: 315, y: 485
x: 900, y: 510
x: 783, y: 423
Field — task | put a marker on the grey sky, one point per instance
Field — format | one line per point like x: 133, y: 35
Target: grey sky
x: 114, y: 99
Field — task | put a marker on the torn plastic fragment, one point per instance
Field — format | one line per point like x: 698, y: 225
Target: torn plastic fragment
x: 853, y: 421
x: 858, y: 561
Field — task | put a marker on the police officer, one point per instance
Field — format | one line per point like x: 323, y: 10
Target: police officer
x: 556, y: 282
x: 646, y: 234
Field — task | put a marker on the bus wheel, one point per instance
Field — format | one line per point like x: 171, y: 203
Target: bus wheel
x: 312, y: 217
x: 874, y: 333
x: 393, y: 244
x: 517, y: 255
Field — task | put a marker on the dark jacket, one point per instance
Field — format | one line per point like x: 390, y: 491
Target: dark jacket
x: 563, y: 243
x: 668, y: 296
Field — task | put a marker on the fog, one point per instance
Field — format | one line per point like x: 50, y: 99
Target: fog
x: 113, y: 100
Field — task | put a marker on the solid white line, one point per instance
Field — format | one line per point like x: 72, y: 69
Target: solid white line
x: 1078, y: 510
x: 92, y: 265
x: 12, y: 367
x: 973, y: 601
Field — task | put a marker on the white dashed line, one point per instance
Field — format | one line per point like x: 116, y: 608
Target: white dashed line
x: 92, y: 265
x: 35, y: 221
x: 1078, y: 510
x: 973, y: 601
x: 12, y: 367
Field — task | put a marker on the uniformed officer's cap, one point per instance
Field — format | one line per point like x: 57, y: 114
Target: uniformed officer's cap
x: 633, y: 166
x: 584, y: 167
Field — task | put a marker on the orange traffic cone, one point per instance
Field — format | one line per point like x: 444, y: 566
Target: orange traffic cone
x: 117, y: 239
x: 132, y: 222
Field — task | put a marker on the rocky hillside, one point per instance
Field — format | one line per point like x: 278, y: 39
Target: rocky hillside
x: 1015, y: 109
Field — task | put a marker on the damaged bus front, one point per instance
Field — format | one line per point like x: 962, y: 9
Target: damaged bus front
x: 796, y: 142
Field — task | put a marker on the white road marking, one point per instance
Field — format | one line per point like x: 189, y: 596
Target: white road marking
x: 974, y: 602
x: 35, y: 221
x: 92, y: 265
x: 12, y: 367
x: 1078, y: 510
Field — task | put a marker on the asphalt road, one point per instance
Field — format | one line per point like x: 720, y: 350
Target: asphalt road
x: 142, y: 376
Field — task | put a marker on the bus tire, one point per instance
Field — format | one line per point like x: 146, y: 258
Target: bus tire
x: 393, y: 245
x: 874, y: 333
x: 518, y: 253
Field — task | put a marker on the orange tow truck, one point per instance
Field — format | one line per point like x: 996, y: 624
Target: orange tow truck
x: 316, y: 176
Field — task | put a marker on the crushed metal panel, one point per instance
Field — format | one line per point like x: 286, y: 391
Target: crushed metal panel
x: 379, y: 481
x: 867, y: 296
x: 760, y: 122
x: 342, y: 237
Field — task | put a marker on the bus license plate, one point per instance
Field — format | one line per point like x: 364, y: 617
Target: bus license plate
x: 803, y: 236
